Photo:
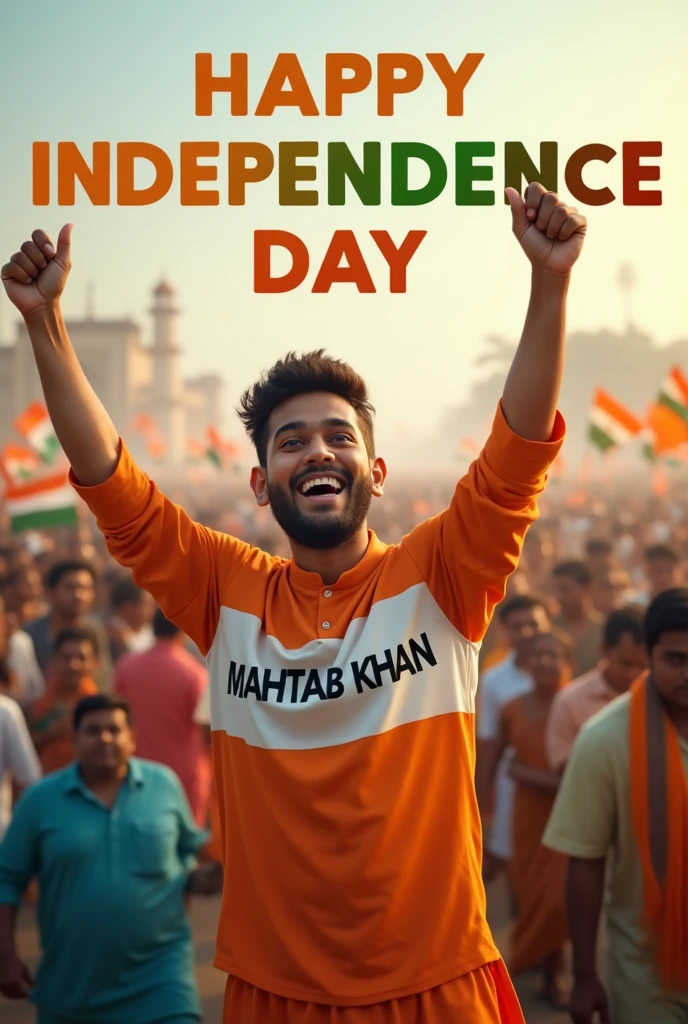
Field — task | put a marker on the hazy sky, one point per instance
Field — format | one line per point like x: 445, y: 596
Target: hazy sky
x: 590, y: 72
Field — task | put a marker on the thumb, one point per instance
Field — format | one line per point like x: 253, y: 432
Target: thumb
x: 64, y: 244
x: 518, y: 211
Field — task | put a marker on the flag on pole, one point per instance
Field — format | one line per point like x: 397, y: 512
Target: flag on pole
x: 611, y: 424
x: 156, y: 447
x: 668, y: 415
x: 18, y: 464
x: 35, y: 427
x: 41, y: 504
x: 673, y: 394
x: 215, y: 449
x: 195, y: 452
x: 220, y: 451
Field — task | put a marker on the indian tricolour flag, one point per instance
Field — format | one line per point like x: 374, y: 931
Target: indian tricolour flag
x: 611, y: 424
x: 40, y: 504
x: 674, y: 393
x: 18, y: 464
x: 219, y: 450
x: 35, y: 427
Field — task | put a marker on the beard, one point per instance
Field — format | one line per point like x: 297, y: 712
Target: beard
x: 321, y: 530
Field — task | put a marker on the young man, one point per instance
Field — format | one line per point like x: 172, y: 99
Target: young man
x: 623, y: 660
x: 611, y: 589
x: 663, y: 570
x: 572, y: 582
x: 342, y: 680
x: 521, y: 618
x: 625, y: 790
x: 600, y: 555
x: 112, y: 843
x: 71, y: 588
x: 70, y: 678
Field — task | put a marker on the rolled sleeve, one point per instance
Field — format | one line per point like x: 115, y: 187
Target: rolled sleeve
x: 515, y: 459
x: 121, y: 497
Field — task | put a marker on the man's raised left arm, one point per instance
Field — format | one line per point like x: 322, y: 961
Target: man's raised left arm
x: 467, y: 553
x: 551, y: 235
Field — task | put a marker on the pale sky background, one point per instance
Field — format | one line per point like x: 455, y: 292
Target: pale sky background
x: 593, y: 71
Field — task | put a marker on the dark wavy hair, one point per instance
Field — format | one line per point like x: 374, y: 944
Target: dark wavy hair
x: 301, y: 375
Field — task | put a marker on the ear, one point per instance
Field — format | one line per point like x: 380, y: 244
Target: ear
x: 378, y: 475
x: 259, y: 486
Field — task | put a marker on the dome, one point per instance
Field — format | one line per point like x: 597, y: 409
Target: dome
x: 164, y: 288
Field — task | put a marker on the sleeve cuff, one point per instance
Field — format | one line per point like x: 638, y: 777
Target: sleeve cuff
x: 515, y: 457
x: 126, y: 486
x: 572, y: 847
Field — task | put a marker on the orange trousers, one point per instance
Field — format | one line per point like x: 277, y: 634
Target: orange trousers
x: 485, y: 996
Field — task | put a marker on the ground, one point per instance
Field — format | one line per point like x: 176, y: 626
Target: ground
x: 211, y: 981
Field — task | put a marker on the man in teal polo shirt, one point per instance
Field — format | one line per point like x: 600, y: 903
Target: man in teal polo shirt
x: 112, y: 842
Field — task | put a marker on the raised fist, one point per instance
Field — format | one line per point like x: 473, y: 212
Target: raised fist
x: 550, y: 233
x: 36, y: 276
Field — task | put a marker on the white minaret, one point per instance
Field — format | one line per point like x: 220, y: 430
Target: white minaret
x: 167, y: 387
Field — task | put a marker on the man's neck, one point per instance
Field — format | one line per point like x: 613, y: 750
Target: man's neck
x: 57, y: 622
x: 577, y: 617
x: 68, y: 692
x: 610, y: 682
x: 103, y: 779
x: 332, y: 563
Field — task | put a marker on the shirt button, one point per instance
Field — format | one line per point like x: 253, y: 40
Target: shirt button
x: 325, y: 625
x: 328, y: 593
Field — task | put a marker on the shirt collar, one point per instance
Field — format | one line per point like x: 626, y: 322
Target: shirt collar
x: 74, y: 783
x: 352, y: 578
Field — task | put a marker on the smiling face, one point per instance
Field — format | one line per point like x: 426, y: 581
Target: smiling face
x: 319, y: 479
x: 548, y: 662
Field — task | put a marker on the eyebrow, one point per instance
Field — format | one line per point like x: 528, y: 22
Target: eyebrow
x: 333, y: 421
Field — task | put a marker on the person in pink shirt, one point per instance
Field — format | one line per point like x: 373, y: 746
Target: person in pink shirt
x: 624, y: 658
x: 163, y: 686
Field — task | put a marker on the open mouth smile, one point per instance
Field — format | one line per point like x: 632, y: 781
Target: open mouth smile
x: 322, y: 488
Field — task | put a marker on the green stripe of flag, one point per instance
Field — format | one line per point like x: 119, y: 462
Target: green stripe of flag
x: 44, y: 519
x: 600, y: 439
x: 676, y: 407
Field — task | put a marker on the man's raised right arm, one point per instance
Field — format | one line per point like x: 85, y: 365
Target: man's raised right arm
x: 182, y: 564
x: 34, y: 280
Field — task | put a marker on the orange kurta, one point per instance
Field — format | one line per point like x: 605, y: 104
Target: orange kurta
x: 538, y: 875
x: 343, y: 729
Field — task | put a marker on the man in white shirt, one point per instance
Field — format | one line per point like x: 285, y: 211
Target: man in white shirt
x: 17, y: 646
x: 18, y: 761
x: 522, y: 617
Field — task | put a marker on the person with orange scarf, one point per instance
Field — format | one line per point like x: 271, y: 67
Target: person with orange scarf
x: 625, y: 790
x: 73, y: 665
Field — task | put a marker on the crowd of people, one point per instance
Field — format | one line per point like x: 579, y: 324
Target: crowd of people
x: 567, y: 640
x: 95, y: 679
x: 568, y: 645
